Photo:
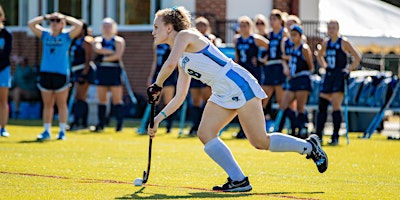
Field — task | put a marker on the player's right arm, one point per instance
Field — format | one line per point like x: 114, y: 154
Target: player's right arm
x: 34, y: 25
x: 320, y: 55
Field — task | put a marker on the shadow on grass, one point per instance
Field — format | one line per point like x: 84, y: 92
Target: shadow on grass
x: 216, y: 195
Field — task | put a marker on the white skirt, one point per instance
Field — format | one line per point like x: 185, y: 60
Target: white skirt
x: 234, y: 86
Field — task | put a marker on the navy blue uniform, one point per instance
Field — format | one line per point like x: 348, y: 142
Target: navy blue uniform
x: 5, y: 51
x: 273, y: 72
x: 78, y: 59
x: 163, y: 51
x: 299, y: 71
x: 336, y: 59
x: 247, y: 50
x: 108, y: 73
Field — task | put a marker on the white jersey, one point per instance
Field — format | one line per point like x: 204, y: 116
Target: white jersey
x: 231, y: 84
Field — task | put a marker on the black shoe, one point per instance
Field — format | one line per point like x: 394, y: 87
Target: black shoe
x: 98, y: 128
x: 334, y: 141
x: 241, y: 135
x: 235, y: 186
x: 317, y: 154
x: 118, y: 128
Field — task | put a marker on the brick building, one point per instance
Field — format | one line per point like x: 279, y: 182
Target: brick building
x: 134, y: 18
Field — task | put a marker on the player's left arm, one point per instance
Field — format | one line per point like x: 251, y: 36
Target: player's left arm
x: 347, y: 47
x: 119, y: 50
x: 308, y: 56
x: 76, y: 26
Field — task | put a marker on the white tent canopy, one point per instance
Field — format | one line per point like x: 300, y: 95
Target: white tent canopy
x: 364, y: 22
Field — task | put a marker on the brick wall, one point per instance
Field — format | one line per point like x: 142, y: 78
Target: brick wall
x: 213, y: 10
x: 137, y: 58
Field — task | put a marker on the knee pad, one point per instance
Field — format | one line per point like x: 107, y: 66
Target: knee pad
x: 323, y: 105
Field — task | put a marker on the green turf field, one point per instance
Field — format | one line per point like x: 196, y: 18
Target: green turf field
x: 104, y: 166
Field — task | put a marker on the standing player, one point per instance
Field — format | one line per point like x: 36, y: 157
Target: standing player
x: 109, y: 49
x: 54, y: 68
x: 273, y: 71
x: 335, y: 48
x: 199, y: 92
x: 5, y: 73
x: 161, y: 54
x: 235, y: 92
x: 300, y: 68
x: 81, y: 55
x: 247, y: 47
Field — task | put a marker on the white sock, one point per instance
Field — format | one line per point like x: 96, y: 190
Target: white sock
x: 221, y: 154
x: 63, y: 127
x: 47, y: 127
x: 286, y: 143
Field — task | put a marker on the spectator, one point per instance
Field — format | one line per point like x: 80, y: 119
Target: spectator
x: 5, y: 73
x: 23, y: 83
x: 54, y: 68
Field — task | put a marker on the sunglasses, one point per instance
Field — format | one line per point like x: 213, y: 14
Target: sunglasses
x: 55, y: 20
x: 260, y: 23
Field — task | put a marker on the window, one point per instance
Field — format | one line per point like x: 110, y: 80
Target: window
x: 11, y: 12
x: 132, y: 12
x: 79, y: 9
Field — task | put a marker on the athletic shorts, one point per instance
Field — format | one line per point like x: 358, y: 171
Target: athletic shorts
x: 77, y: 72
x: 170, y: 81
x: 108, y: 76
x: 52, y: 82
x: 197, y: 84
x: 273, y: 75
x: 5, y: 77
x: 233, y: 86
x: 333, y: 81
x: 300, y: 83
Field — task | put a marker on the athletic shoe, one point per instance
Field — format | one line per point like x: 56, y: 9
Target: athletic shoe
x: 235, y: 186
x: 118, y: 128
x: 4, y: 133
x: 98, y: 128
x: 44, y: 136
x: 317, y: 154
x: 334, y: 141
x: 61, y: 135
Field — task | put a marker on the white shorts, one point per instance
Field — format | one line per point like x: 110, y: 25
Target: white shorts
x: 234, y: 86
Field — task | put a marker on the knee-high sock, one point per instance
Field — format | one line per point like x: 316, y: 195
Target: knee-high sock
x: 222, y: 155
x: 321, y: 116
x: 119, y: 115
x: 302, y: 120
x: 289, y: 113
x: 79, y: 111
x: 285, y: 143
x: 196, y: 113
x: 85, y: 113
x: 337, y: 120
x: 101, y: 114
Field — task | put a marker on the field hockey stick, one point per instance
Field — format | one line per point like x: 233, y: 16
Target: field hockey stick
x: 71, y: 102
x: 182, y: 118
x: 146, y: 173
x: 128, y: 85
x: 346, y: 110
x: 143, y: 123
x: 380, y: 115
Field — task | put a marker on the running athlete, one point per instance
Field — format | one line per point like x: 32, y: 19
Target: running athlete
x: 55, y: 67
x: 161, y: 54
x: 199, y: 92
x: 81, y: 52
x: 5, y: 73
x: 247, y: 47
x: 109, y: 49
x: 235, y: 92
x: 299, y: 87
x: 335, y: 48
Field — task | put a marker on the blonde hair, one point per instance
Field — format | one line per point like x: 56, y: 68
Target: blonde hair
x: 109, y: 20
x: 246, y: 19
x: 179, y: 17
x: 294, y: 18
x: 203, y: 20
x: 262, y: 18
x: 277, y: 13
x: 333, y: 21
